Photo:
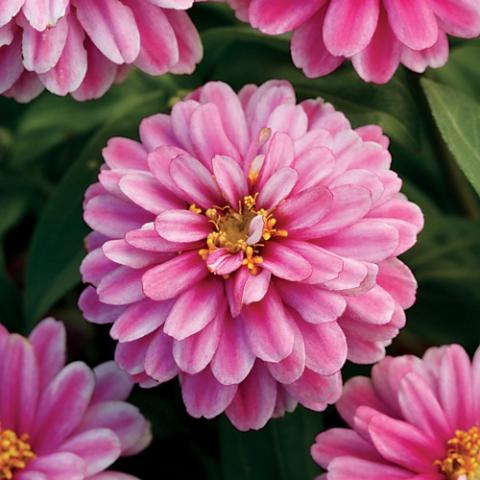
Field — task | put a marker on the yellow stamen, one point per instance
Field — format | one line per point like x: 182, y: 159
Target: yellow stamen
x: 15, y: 452
x: 193, y: 208
x: 232, y: 230
x: 463, y: 458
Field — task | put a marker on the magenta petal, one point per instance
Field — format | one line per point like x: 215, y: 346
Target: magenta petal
x: 59, y: 466
x: 268, y: 329
x: 204, y: 396
x: 284, y: 262
x: 314, y: 304
x: 194, y: 309
x: 233, y: 358
x: 19, y: 375
x: 111, y: 383
x: 158, y: 46
x: 195, y: 180
x: 281, y: 16
x: 123, y: 419
x: 139, y: 320
x: 182, y: 226
x: 49, y: 341
x: 254, y: 401
x: 277, y: 188
x: 415, y: 25
x: 403, y: 444
x: 62, y: 406
x: 98, y: 448
x: 194, y: 353
x: 174, y: 277
x: 119, y: 41
x: 222, y: 262
x: 325, y: 347
x: 42, y: 50
x: 159, y: 361
x: 349, y: 25
x: 230, y: 178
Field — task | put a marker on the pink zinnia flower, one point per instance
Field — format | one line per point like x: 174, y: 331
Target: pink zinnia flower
x: 82, y: 46
x: 248, y: 244
x: 415, y: 419
x: 62, y: 422
x: 377, y: 35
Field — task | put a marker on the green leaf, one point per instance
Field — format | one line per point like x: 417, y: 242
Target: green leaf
x: 57, y: 244
x: 280, y: 451
x: 458, y: 119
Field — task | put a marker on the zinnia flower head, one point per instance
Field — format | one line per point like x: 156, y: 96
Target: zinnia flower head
x: 82, y: 46
x: 248, y: 244
x: 415, y: 419
x: 62, y: 422
x: 376, y: 35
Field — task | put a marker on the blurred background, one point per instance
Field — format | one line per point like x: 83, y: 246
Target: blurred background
x: 50, y: 151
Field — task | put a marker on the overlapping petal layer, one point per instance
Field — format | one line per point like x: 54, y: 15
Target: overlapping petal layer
x: 62, y: 422
x: 248, y: 244
x: 415, y: 419
x: 82, y: 46
x: 376, y: 35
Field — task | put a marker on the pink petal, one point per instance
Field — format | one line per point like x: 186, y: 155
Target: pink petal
x: 11, y: 64
x: 194, y: 353
x: 403, y: 444
x: 20, y: 378
x: 414, y: 25
x: 309, y: 51
x: 231, y: 113
x: 313, y: 304
x: 42, y: 50
x: 156, y: 131
x: 98, y: 448
x: 254, y: 401
x: 159, y: 361
x: 119, y: 41
x: 174, y: 277
x: 268, y: 329
x: 325, y: 347
x: 125, y: 154
x: 190, y: 48
x: 277, y: 188
x: 111, y: 383
x: 158, y: 45
x: 230, y: 178
x: 147, y: 193
x: 281, y: 16
x: 123, y: 419
x: 121, y: 287
x: 44, y: 14
x: 100, y: 75
x: 139, y: 320
x: 304, y: 209
x: 62, y: 406
x: 233, y: 358
x: 59, y: 466
x: 284, y: 262
x: 379, y: 60
x: 49, y: 341
x: 204, y: 396
x: 349, y: 26
x: 367, y: 240
x: 182, y: 226
x: 70, y: 69
x: 222, y: 262
x: 195, y: 180
x: 194, y: 309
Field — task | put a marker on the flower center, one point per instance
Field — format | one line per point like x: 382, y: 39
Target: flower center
x: 15, y: 452
x: 463, y: 459
x: 242, y: 230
